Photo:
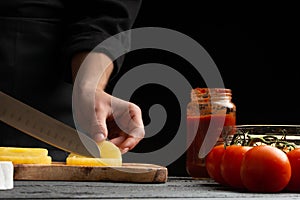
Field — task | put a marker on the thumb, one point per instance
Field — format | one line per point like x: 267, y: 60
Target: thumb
x: 99, y: 130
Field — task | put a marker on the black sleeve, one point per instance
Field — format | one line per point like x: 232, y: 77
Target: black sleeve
x: 89, y: 22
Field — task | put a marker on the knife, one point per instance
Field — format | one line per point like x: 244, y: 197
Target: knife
x: 45, y: 128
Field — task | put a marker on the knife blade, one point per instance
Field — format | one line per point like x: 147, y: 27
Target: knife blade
x: 45, y: 128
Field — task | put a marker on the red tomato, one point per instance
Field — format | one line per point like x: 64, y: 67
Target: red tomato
x: 294, y: 158
x: 231, y: 165
x: 213, y: 162
x: 265, y: 169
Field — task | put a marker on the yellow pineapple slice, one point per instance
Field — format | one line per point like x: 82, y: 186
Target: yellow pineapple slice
x: 18, y: 151
x: 27, y: 159
x: 110, y: 156
x: 85, y: 161
x: 109, y: 150
x: 21, y: 155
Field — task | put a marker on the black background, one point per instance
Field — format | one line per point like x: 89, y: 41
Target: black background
x: 258, y: 60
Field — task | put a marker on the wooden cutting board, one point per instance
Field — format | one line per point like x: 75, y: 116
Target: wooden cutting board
x: 129, y: 172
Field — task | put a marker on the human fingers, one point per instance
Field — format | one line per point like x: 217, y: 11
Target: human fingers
x: 126, y: 141
x: 100, y: 131
x: 129, y: 120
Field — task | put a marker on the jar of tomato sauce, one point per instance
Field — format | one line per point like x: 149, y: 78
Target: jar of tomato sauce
x: 208, y: 113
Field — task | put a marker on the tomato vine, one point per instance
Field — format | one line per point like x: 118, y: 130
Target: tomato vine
x: 246, y: 139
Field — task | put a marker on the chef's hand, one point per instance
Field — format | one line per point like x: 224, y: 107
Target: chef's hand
x: 119, y: 120
x: 99, y: 113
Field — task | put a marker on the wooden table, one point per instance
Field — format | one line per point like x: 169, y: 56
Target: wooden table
x: 174, y: 188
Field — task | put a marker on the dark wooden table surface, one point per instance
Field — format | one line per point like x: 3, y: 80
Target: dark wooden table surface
x: 174, y: 188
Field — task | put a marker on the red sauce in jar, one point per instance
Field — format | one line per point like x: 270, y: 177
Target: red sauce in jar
x: 199, y: 125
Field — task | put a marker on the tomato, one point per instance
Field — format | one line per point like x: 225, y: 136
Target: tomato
x: 294, y: 158
x: 265, y: 169
x: 231, y: 165
x: 213, y: 162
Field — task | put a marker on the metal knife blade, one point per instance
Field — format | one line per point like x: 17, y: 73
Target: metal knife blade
x: 45, y: 128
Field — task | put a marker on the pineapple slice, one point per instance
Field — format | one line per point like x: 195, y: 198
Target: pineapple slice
x: 17, y: 151
x: 85, y: 161
x: 20, y: 155
x: 27, y: 159
x: 110, y: 156
x: 109, y: 150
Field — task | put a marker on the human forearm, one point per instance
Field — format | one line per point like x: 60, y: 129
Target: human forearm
x: 96, y: 69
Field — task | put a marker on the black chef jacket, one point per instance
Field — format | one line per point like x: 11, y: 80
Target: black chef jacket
x: 37, y: 40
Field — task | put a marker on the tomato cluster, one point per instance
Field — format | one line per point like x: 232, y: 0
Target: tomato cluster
x: 262, y: 168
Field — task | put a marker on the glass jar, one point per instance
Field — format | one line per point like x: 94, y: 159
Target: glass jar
x: 209, y: 111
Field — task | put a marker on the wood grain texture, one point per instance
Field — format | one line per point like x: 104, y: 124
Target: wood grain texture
x: 129, y: 172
